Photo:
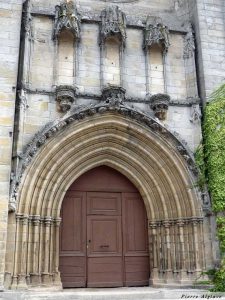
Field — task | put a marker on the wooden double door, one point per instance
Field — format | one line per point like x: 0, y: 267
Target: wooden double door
x: 103, y: 236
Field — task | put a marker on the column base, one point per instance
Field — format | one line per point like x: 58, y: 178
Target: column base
x: 46, y: 279
x: 35, y: 279
x: 14, y: 282
x: 22, y: 283
x: 57, y: 280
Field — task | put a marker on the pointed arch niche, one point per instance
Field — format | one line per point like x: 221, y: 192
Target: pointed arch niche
x: 156, y: 44
x: 112, y: 41
x: 66, y: 35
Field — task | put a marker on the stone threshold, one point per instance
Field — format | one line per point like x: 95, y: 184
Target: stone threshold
x: 140, y: 293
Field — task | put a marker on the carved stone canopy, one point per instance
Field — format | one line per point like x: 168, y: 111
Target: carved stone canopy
x: 156, y: 33
x: 113, y: 23
x: 113, y: 94
x: 67, y: 18
x: 65, y: 96
x: 159, y: 104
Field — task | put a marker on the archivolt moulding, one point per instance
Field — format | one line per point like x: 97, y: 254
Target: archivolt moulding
x: 80, y: 113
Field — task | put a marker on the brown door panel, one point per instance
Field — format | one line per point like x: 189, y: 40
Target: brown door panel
x: 73, y: 271
x: 104, y: 255
x: 105, y: 272
x: 107, y: 204
x: 134, y: 225
x: 104, y: 236
x: 72, y: 262
x: 136, y: 271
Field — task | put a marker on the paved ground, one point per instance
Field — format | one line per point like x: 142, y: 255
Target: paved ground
x: 143, y: 293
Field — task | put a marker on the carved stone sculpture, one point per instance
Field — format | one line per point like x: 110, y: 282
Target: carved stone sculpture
x: 189, y: 43
x: 67, y: 18
x: 156, y: 33
x: 65, y: 96
x: 114, y: 95
x: 113, y: 24
x: 159, y: 103
x: 195, y: 114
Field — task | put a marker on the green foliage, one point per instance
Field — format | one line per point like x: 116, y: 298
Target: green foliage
x: 214, y: 138
x: 199, y: 159
x: 219, y: 279
x: 214, y: 151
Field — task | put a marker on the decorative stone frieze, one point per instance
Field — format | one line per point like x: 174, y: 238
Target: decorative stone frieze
x: 189, y: 43
x: 156, y: 33
x: 113, y: 95
x: 113, y: 23
x: 159, y: 103
x: 67, y: 18
x: 65, y: 96
x: 173, y: 222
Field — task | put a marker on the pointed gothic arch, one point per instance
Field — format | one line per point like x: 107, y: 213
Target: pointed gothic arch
x: 139, y: 148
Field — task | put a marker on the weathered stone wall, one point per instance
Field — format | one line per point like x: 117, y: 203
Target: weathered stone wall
x: 208, y: 17
x: 10, y: 15
x: 48, y: 63
x: 79, y: 63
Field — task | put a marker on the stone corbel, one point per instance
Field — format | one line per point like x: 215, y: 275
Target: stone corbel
x: 113, y: 23
x: 114, y: 95
x: 156, y: 33
x: 67, y: 18
x: 65, y: 96
x: 159, y: 103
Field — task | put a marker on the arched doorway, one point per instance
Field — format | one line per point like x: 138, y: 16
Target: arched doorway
x: 103, y: 235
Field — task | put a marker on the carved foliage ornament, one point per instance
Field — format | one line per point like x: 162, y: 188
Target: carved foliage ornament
x: 156, y: 33
x: 67, y: 18
x: 113, y: 24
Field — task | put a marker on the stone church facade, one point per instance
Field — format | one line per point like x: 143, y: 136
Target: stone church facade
x: 93, y: 84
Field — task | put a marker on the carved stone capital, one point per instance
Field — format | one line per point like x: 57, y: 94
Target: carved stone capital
x: 196, y: 220
x: 19, y: 217
x: 35, y: 219
x: 65, y: 96
x: 156, y: 33
x: 67, y: 18
x: 57, y: 221
x: 114, y: 95
x: 180, y: 222
x: 153, y: 225
x: 167, y: 223
x: 113, y: 23
x: 47, y: 221
x: 159, y: 103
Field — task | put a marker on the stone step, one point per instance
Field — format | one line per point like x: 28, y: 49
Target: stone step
x: 145, y: 293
